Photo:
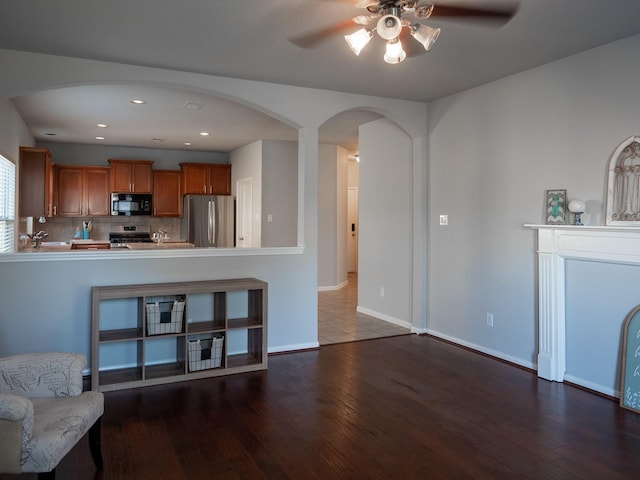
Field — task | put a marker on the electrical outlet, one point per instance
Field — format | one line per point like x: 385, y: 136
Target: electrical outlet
x: 444, y: 219
x: 489, y: 319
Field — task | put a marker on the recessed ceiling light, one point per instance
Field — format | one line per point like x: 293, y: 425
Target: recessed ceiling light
x: 156, y: 139
x: 51, y: 134
x: 99, y: 138
x: 193, y: 105
x: 204, y: 134
x: 102, y: 125
x: 187, y: 144
x: 137, y: 101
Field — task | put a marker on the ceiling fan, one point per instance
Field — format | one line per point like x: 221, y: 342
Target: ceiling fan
x: 391, y: 19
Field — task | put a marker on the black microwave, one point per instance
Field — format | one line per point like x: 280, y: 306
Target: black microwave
x: 130, y: 204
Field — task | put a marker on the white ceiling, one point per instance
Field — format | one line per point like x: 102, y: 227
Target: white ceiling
x: 250, y: 39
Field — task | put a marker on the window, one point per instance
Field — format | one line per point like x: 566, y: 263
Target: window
x: 7, y: 204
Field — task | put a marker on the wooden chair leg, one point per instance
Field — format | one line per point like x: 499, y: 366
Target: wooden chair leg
x: 47, y: 475
x: 95, y: 444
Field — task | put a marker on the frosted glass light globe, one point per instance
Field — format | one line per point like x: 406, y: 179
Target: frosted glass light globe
x: 577, y: 206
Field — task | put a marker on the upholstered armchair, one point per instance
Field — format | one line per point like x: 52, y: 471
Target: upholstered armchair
x: 44, y: 412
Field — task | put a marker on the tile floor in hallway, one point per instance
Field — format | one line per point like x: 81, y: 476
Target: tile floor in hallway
x: 338, y: 320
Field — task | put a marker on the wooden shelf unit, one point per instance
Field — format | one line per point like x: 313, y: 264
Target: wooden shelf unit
x: 124, y: 354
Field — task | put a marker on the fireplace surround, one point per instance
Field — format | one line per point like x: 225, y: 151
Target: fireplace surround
x: 555, y: 244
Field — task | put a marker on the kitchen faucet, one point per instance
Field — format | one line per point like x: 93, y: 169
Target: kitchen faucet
x: 38, y: 237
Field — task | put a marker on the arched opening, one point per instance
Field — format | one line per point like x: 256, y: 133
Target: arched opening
x: 344, y: 313
x: 89, y: 124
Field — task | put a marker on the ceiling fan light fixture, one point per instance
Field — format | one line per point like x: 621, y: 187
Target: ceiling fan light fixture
x: 395, y: 53
x: 389, y: 26
x: 425, y: 35
x: 358, y: 40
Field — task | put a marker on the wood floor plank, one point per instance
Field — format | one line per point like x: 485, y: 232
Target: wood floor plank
x: 402, y: 407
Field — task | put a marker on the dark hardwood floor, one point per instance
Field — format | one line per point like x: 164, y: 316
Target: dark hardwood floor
x: 402, y: 407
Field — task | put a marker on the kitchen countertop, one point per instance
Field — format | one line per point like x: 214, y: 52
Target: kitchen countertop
x: 155, y: 245
x: 67, y: 246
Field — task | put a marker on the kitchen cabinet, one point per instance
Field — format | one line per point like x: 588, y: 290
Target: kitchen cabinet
x: 160, y: 333
x: 36, y: 183
x: 83, y: 191
x: 131, y: 176
x: 167, y: 193
x: 206, y: 178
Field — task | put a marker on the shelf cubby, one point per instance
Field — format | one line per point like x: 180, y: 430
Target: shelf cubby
x: 229, y: 317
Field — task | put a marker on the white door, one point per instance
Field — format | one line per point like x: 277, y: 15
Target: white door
x: 352, y: 230
x: 244, y: 223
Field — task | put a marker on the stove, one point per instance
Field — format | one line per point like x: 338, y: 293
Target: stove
x: 121, y: 235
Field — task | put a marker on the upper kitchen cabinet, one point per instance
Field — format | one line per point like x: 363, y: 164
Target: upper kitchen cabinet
x: 131, y: 176
x: 206, y: 179
x: 37, y: 182
x: 167, y: 193
x: 83, y: 191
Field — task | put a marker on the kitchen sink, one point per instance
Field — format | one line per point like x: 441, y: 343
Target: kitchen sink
x: 54, y: 244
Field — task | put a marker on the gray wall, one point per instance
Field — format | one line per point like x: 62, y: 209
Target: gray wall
x: 332, y: 216
x: 385, y: 202
x: 493, y: 152
x: 279, y: 193
x: 13, y: 133
x: 85, y: 154
x: 45, y: 304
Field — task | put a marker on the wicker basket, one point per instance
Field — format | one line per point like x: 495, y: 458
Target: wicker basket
x: 205, y: 353
x: 164, y: 317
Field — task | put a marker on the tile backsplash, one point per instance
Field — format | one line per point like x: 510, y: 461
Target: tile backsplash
x: 61, y: 229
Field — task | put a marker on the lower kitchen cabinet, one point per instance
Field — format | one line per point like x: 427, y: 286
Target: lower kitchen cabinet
x: 160, y: 333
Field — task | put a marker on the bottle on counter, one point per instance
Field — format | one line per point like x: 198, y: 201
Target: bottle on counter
x: 77, y: 233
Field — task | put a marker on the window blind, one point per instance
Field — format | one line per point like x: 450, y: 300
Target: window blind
x: 7, y: 204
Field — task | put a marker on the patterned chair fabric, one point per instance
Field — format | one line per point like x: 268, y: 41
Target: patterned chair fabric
x: 43, y: 411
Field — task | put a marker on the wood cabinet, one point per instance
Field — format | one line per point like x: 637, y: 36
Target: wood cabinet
x: 169, y: 332
x: 167, y: 193
x: 36, y: 189
x: 131, y: 176
x: 83, y: 191
x: 206, y: 178
x: 88, y: 245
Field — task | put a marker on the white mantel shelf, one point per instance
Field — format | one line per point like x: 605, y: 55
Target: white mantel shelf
x: 556, y: 243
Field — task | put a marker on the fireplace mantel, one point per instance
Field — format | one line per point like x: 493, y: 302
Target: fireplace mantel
x: 556, y: 243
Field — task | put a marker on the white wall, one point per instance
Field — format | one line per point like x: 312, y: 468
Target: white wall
x: 246, y: 162
x: 385, y: 240
x: 493, y: 152
x: 279, y: 193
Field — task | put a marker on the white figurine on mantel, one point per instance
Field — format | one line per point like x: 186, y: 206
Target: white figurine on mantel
x: 577, y: 207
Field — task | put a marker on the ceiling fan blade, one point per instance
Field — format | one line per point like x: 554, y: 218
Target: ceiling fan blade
x: 316, y: 37
x: 496, y: 14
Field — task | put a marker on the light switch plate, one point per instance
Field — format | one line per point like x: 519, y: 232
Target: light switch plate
x: 444, y: 219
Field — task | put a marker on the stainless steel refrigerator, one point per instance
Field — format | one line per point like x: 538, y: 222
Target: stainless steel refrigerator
x: 209, y: 221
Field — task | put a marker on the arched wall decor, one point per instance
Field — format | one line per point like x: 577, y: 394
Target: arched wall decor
x: 623, y: 186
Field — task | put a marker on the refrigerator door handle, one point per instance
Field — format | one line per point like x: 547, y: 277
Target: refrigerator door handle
x: 210, y: 222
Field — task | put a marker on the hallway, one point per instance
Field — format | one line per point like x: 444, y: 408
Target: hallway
x: 339, y: 322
